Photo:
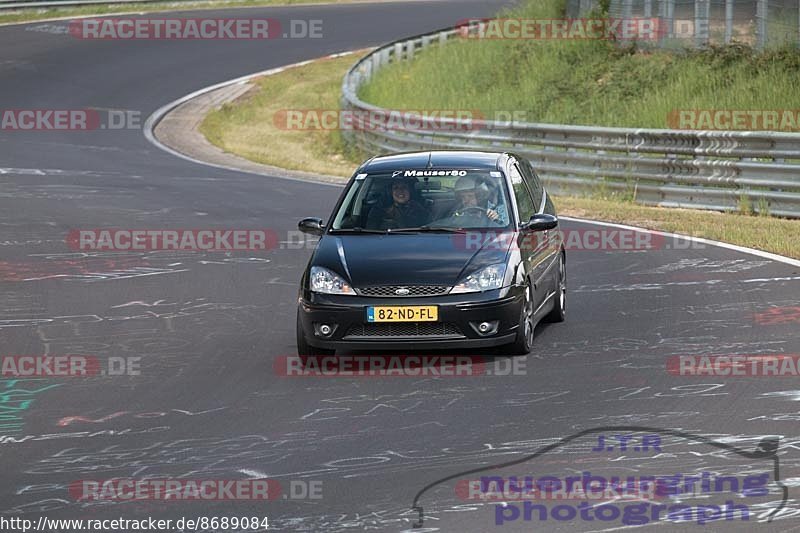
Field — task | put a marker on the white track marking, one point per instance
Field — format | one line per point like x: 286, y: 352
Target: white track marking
x: 742, y: 249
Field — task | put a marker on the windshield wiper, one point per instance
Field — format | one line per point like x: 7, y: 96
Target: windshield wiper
x: 358, y: 230
x: 428, y: 229
x: 419, y: 229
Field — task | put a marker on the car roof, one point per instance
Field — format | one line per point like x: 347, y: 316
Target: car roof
x: 437, y: 159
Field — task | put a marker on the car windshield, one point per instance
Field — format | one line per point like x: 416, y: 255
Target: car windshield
x: 424, y: 201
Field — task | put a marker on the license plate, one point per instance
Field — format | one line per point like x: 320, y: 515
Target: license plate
x: 409, y: 313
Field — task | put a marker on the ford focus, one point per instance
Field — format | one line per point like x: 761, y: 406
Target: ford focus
x: 434, y: 250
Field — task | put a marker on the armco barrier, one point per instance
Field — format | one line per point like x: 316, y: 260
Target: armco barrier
x: 30, y: 4
x: 717, y: 170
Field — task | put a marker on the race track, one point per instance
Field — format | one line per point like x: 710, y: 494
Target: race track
x: 208, y: 326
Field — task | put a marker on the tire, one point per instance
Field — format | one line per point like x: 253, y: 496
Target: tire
x: 305, y: 350
x: 523, y: 343
x: 559, y: 312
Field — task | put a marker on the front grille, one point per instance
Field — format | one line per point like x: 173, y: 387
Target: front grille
x: 413, y: 290
x: 404, y: 329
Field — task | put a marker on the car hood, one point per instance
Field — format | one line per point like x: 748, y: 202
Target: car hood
x: 415, y: 259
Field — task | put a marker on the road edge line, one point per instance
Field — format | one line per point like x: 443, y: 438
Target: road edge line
x: 699, y: 240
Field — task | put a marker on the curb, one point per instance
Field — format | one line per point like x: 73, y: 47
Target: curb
x: 211, y: 155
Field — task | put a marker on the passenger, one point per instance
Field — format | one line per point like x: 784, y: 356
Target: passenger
x: 405, y: 212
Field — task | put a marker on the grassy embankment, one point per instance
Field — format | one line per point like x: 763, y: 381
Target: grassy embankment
x: 587, y: 82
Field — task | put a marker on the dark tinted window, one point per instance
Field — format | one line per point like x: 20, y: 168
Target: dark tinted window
x: 524, y: 203
x: 410, y: 198
x: 549, y: 208
x: 533, y: 183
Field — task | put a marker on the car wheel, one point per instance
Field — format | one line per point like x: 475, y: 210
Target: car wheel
x: 305, y: 350
x: 523, y: 344
x: 559, y: 312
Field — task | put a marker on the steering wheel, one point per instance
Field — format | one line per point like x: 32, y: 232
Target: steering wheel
x: 478, y: 210
x: 483, y: 213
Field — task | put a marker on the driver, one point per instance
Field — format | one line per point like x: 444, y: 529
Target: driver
x: 470, y: 192
x: 404, y: 212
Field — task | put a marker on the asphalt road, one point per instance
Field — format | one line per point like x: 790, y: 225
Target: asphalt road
x: 208, y: 404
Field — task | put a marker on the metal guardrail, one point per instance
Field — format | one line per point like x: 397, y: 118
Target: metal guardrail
x: 761, y: 23
x: 717, y: 170
x: 9, y: 5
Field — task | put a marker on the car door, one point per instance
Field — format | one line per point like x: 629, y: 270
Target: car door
x: 552, y: 238
x: 530, y: 244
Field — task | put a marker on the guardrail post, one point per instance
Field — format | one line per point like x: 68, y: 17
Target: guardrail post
x: 398, y: 51
x: 702, y: 11
x: 728, y: 21
x: 627, y: 9
x: 668, y: 14
x: 410, y: 50
x: 761, y: 23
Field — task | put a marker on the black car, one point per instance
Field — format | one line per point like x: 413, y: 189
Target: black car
x: 434, y: 250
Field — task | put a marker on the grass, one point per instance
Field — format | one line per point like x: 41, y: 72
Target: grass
x: 34, y: 14
x: 247, y: 127
x: 776, y: 235
x: 586, y: 82
x: 251, y: 126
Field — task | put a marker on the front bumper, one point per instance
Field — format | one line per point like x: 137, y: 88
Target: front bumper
x: 458, y: 314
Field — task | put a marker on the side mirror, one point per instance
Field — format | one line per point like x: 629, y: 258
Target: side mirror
x: 312, y: 226
x: 541, y: 222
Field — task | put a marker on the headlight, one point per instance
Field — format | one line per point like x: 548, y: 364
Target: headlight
x: 327, y: 282
x: 484, y: 279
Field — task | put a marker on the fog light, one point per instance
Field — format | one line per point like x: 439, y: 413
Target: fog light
x: 324, y: 330
x: 485, y: 328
